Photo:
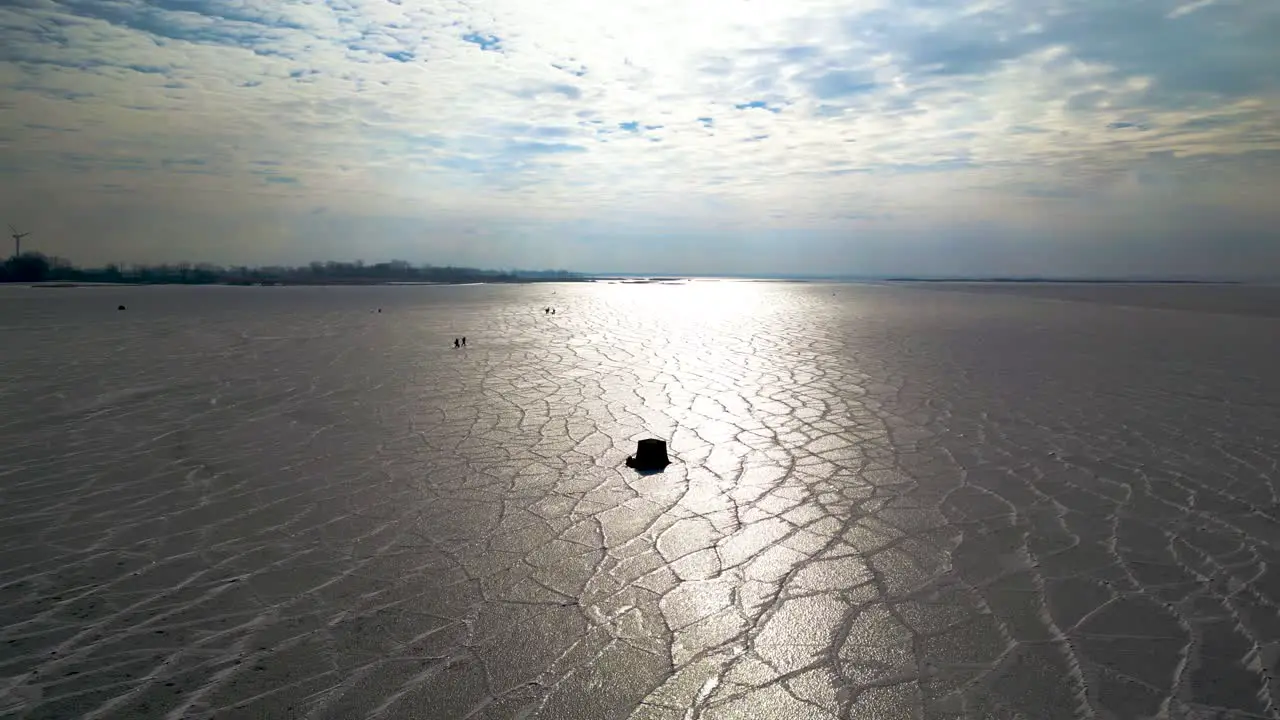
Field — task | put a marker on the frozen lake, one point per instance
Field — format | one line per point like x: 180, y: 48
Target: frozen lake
x: 886, y: 502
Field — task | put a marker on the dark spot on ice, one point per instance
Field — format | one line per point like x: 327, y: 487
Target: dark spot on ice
x: 120, y: 307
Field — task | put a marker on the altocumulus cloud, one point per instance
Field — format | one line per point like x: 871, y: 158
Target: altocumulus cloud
x: 1068, y: 136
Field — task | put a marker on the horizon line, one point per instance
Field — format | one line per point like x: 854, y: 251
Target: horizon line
x: 579, y: 275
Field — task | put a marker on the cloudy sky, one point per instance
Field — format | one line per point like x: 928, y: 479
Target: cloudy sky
x: 736, y: 136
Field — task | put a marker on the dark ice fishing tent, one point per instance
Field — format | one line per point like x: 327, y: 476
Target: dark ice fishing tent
x: 650, y: 454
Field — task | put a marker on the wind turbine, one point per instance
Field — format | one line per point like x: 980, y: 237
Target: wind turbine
x: 17, y: 240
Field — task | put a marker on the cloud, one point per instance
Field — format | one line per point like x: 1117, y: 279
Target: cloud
x: 853, y: 133
x: 534, y: 92
x: 1189, y: 8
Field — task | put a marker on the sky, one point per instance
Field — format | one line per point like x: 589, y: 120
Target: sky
x: 860, y: 137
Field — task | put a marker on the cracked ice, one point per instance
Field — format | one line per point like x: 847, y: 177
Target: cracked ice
x: 886, y: 501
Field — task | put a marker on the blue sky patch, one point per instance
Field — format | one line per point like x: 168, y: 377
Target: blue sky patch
x: 842, y: 84
x: 757, y: 105
x: 545, y: 148
x: 491, y: 43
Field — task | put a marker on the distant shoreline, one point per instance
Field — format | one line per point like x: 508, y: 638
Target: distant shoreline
x: 624, y: 280
x: 674, y: 279
x: 56, y: 284
x: 1063, y: 281
x: 33, y: 268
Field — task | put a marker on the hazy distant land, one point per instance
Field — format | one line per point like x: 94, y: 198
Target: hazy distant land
x: 34, y: 267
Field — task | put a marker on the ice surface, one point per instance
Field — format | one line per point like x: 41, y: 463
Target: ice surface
x: 885, y: 502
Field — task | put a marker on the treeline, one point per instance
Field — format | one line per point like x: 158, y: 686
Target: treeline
x: 35, y: 267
